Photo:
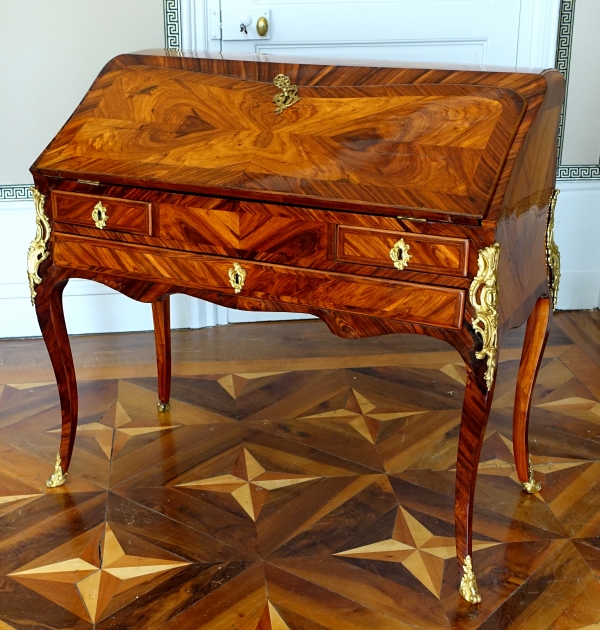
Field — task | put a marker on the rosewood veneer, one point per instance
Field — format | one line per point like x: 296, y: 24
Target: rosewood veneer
x: 380, y: 199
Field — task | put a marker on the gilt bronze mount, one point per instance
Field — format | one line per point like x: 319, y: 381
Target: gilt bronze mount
x: 38, y: 250
x: 58, y: 476
x: 483, y: 295
x: 468, y: 583
x: 288, y: 96
x: 552, y: 253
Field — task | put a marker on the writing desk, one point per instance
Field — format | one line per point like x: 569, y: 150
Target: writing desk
x: 380, y: 199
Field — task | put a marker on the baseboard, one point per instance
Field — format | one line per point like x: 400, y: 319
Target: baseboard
x: 91, y: 308
x: 577, y: 234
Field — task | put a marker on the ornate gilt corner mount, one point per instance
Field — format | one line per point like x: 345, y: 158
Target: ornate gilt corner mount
x: 531, y: 485
x: 163, y: 407
x: 468, y: 583
x: 552, y: 253
x: 237, y: 277
x: 38, y: 250
x: 483, y: 295
x: 58, y: 476
x: 288, y: 96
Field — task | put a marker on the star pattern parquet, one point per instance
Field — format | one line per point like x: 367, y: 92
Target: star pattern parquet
x: 303, y: 499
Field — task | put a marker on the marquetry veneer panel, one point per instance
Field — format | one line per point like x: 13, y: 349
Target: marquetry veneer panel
x: 411, y: 302
x: 433, y: 146
x: 224, y: 227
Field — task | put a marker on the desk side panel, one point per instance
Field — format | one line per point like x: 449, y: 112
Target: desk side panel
x: 522, y: 222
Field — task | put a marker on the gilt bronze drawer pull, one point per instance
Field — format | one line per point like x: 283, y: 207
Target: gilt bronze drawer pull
x: 99, y: 215
x: 399, y: 254
x: 237, y: 277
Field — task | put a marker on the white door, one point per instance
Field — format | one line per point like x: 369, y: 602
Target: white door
x: 487, y: 32
x: 450, y: 31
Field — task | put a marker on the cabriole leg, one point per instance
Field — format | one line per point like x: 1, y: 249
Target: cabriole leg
x: 49, y: 310
x: 536, y: 335
x: 476, y: 410
x: 161, y: 313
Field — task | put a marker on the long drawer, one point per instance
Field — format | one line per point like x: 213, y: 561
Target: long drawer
x: 411, y: 302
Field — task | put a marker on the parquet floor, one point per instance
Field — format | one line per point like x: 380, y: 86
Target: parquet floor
x: 299, y: 482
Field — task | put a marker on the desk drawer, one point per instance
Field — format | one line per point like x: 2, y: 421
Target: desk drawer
x: 433, y: 254
x: 405, y: 301
x: 120, y: 215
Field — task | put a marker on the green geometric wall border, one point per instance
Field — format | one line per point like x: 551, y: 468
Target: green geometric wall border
x: 566, y: 22
x: 172, y: 18
x: 10, y: 192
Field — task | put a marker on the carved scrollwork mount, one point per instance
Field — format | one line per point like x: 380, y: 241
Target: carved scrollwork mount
x: 38, y: 250
x: 552, y: 253
x: 288, y: 95
x: 483, y: 295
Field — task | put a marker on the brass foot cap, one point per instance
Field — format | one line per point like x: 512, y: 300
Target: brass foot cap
x: 531, y: 486
x: 468, y: 583
x: 58, y: 476
x: 56, y: 480
x: 163, y: 407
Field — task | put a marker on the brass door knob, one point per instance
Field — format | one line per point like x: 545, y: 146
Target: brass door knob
x: 399, y: 254
x: 99, y: 215
x: 262, y: 26
x: 237, y: 277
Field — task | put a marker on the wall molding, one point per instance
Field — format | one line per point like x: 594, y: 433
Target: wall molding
x: 566, y: 22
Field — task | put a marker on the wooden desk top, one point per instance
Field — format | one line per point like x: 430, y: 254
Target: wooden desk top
x: 435, y: 143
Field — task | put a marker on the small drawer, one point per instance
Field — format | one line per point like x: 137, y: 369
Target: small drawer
x: 98, y: 212
x: 433, y: 254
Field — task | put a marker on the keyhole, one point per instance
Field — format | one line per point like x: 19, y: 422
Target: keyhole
x: 243, y: 29
x: 237, y: 278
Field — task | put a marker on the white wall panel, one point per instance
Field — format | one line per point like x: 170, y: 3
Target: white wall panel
x: 50, y: 52
x: 576, y: 231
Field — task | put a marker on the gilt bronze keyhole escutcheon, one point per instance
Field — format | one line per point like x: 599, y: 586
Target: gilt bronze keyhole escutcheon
x: 99, y: 215
x: 400, y: 254
x: 237, y: 277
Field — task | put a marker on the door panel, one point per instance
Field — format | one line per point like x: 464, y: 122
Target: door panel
x: 428, y: 31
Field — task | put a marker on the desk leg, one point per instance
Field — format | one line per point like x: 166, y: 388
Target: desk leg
x: 536, y: 335
x: 476, y: 409
x: 161, y: 312
x: 49, y: 309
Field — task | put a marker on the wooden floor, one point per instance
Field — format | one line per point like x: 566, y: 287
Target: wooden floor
x: 300, y: 482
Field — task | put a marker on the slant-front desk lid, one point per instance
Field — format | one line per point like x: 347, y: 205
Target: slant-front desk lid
x: 412, y: 142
